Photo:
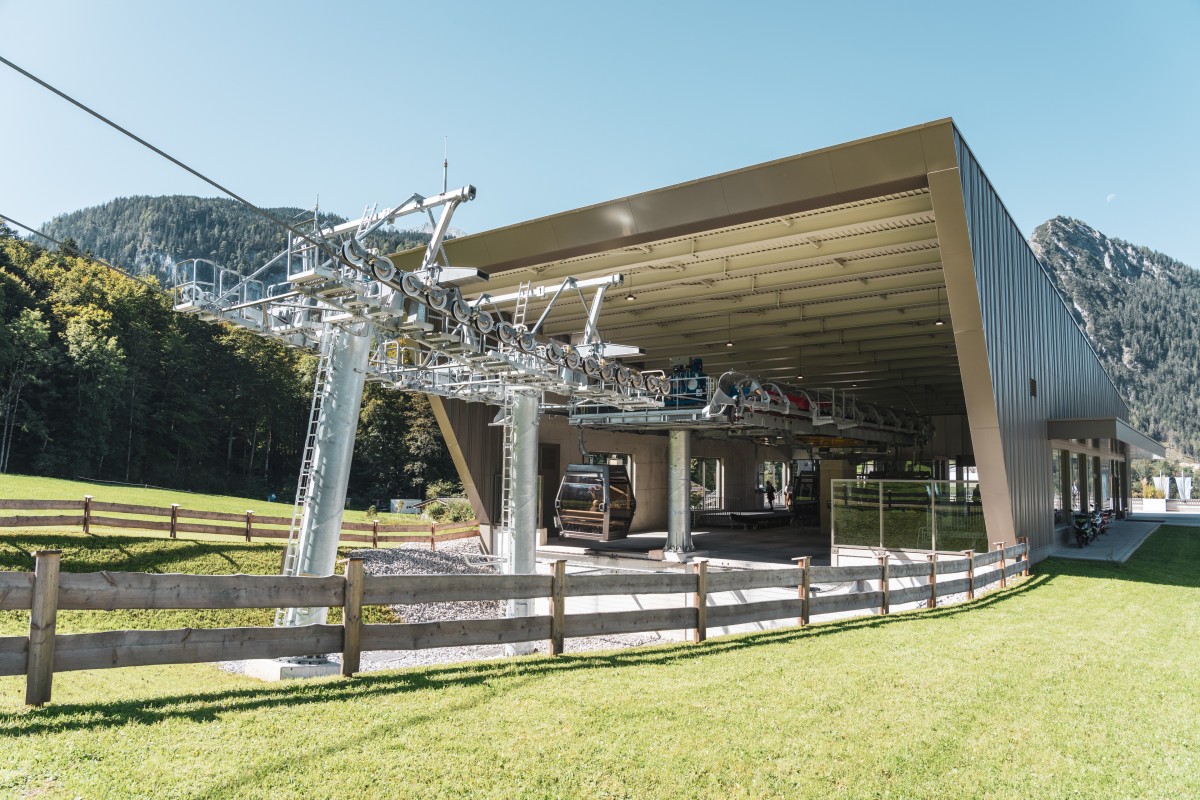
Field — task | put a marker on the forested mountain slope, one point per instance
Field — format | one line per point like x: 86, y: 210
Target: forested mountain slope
x: 1142, y: 311
x: 147, y: 235
x: 100, y: 379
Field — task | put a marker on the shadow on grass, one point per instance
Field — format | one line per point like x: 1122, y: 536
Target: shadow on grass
x: 208, y: 706
x: 94, y: 553
x: 1168, y: 557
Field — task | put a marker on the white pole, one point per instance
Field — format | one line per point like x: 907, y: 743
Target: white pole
x: 523, y: 543
x: 321, y: 523
x: 679, y: 486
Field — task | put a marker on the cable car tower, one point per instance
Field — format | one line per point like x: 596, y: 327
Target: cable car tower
x: 412, y: 331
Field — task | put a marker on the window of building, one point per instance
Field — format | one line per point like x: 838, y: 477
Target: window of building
x: 777, y: 473
x: 1077, y: 485
x: 1056, y: 486
x: 707, y: 483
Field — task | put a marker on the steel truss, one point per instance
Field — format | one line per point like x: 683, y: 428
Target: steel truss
x: 740, y: 404
x: 412, y: 331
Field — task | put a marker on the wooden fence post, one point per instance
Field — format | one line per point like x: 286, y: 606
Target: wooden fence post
x: 558, y: 602
x: 700, y: 600
x: 885, y: 586
x: 970, y: 574
x: 249, y: 523
x: 174, y: 520
x: 932, y: 580
x: 43, y: 616
x: 1003, y: 577
x: 433, y: 537
x: 375, y: 534
x: 1025, y: 541
x: 805, y: 589
x: 352, y: 617
x: 87, y: 513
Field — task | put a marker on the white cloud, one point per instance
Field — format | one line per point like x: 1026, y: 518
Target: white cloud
x: 1110, y: 198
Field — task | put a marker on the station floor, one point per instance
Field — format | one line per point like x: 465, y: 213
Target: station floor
x: 779, y: 545
x: 782, y: 545
x: 1123, y: 539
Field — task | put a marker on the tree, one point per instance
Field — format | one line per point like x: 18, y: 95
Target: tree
x: 24, y: 357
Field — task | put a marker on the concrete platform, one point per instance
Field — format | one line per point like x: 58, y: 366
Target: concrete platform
x: 765, y: 546
x: 1123, y: 539
x: 277, y: 669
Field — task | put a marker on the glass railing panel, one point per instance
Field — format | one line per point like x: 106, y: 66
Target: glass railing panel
x: 855, y: 509
x: 907, y: 515
x: 958, y: 515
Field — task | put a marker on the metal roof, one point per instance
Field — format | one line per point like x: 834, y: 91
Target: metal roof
x: 825, y: 264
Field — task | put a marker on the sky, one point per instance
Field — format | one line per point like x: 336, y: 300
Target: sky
x: 1084, y: 109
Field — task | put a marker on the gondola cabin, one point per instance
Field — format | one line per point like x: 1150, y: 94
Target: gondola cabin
x: 595, y: 502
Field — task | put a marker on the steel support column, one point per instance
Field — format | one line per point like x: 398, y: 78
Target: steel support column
x: 679, y: 493
x: 321, y: 525
x: 520, y: 543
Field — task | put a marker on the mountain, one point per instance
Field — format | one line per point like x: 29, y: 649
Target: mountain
x: 1140, y: 308
x: 148, y: 235
x: 100, y: 379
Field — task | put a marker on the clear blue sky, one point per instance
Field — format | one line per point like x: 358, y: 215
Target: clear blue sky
x: 1088, y: 109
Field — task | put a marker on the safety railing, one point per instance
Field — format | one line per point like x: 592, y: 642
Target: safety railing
x: 89, y: 513
x: 922, y: 515
x: 713, y: 600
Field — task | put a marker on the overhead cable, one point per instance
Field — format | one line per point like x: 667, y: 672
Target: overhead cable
x: 262, y: 213
x: 97, y: 259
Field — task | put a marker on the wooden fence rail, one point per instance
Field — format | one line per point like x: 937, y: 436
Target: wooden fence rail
x: 250, y: 526
x: 46, y: 590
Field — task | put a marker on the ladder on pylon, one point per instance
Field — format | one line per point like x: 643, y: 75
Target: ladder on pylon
x: 367, y: 219
x: 523, y: 293
x: 506, y: 464
x: 308, y: 461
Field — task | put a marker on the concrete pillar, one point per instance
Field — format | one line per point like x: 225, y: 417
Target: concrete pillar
x: 321, y: 523
x: 1064, y: 482
x: 679, y: 493
x: 1124, y: 485
x: 520, y: 542
x: 831, y: 470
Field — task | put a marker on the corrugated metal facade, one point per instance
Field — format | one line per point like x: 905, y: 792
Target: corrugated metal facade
x: 1030, y: 335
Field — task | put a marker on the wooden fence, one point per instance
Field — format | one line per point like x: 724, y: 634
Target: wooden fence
x: 90, y: 513
x: 46, y: 590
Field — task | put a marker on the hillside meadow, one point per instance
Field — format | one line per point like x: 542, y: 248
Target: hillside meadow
x: 1078, y: 682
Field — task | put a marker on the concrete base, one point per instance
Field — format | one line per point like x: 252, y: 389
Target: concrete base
x: 275, y: 669
x: 676, y: 556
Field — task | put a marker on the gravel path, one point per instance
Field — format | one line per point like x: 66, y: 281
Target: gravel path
x: 450, y: 559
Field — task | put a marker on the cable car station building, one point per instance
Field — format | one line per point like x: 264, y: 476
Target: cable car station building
x: 867, y: 315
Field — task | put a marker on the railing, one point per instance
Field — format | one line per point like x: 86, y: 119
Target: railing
x: 46, y: 590
x: 922, y: 515
x: 1174, y: 504
x: 250, y: 526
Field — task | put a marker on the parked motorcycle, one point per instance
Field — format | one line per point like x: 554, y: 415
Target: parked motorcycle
x: 1084, y: 529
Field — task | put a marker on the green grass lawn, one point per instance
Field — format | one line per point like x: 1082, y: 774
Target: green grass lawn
x: 30, y: 487
x: 1080, y: 682
x: 134, y: 553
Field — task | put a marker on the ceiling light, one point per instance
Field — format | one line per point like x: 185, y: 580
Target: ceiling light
x: 728, y: 331
x: 940, y: 322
